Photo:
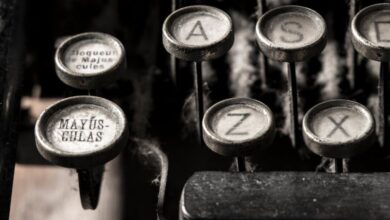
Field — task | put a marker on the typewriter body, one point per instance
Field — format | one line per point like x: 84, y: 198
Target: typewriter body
x: 305, y: 158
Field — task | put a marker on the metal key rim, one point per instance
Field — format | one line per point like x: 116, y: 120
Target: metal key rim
x: 334, y: 149
x: 179, y: 50
x: 83, y: 80
x: 238, y: 147
x: 270, y: 49
x: 85, y: 159
x: 364, y: 46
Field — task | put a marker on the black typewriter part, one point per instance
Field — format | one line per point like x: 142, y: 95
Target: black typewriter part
x: 218, y: 109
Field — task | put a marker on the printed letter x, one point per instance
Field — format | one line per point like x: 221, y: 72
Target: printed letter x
x: 338, y: 126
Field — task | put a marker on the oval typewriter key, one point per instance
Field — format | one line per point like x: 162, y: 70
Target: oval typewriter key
x: 81, y: 132
x: 90, y: 60
x: 198, y: 33
x: 290, y: 34
x: 338, y: 129
x: 371, y: 38
x: 238, y: 127
x: 370, y: 32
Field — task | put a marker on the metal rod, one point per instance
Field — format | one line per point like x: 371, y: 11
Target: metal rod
x: 261, y: 7
x: 382, y: 94
x: 173, y: 61
x: 173, y: 5
x: 240, y: 164
x: 163, y: 184
x: 173, y: 69
x: 198, y: 86
x: 92, y: 92
x: 263, y: 61
x: 351, y: 52
x: 338, y: 165
x: 293, y: 96
x: 90, y: 181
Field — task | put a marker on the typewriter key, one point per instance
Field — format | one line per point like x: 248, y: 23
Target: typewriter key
x: 238, y: 127
x: 90, y: 60
x: 291, y: 34
x: 371, y: 38
x: 338, y: 129
x: 82, y: 132
x: 198, y: 33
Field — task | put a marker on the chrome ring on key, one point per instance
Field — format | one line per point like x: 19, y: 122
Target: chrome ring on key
x: 82, y: 132
x: 238, y: 127
x: 338, y: 129
x: 90, y: 60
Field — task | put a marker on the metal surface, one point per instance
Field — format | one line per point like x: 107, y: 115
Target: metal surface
x: 90, y: 60
x: 152, y: 157
x: 81, y: 132
x: 286, y: 195
x: 198, y: 33
x: 293, y: 105
x: 238, y: 127
x: 291, y: 33
x: 263, y: 62
x: 90, y: 181
x: 240, y: 164
x: 338, y: 128
x: 370, y: 32
x: 383, y: 95
x: 198, y: 88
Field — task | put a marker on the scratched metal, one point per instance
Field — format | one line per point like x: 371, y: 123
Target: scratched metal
x: 285, y: 195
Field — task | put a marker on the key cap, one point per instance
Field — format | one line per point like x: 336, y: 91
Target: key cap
x: 90, y: 60
x: 82, y: 132
x: 238, y: 127
x: 338, y: 129
x: 371, y: 38
x: 198, y: 33
x: 291, y: 34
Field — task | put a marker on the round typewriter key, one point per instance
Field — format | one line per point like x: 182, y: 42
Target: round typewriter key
x: 338, y: 129
x: 198, y: 33
x: 238, y: 127
x: 371, y: 38
x: 90, y: 60
x: 291, y: 34
x: 81, y: 132
x: 370, y: 32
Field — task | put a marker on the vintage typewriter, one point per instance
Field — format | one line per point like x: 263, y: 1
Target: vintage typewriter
x: 218, y: 109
